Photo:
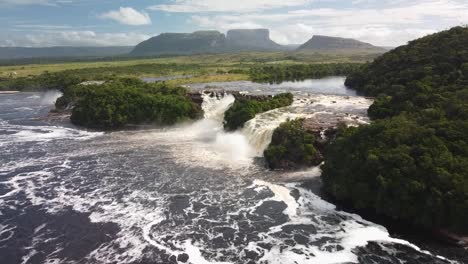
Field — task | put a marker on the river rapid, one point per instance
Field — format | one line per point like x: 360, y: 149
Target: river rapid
x: 185, y: 194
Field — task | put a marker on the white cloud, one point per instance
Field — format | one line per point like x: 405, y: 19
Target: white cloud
x: 389, y: 25
x: 128, y: 16
x: 192, y: 6
x: 74, y: 38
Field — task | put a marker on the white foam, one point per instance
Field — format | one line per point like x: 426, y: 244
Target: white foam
x: 44, y: 134
x: 352, y: 233
x: 195, y: 256
x: 50, y: 97
x: 282, y: 194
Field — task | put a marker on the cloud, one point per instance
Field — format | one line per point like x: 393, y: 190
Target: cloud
x: 389, y: 25
x: 193, y: 6
x: 73, y: 38
x: 128, y: 16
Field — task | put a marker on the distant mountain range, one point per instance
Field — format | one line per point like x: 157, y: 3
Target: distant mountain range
x: 208, y: 42
x: 62, y: 52
x: 243, y: 40
x: 199, y: 42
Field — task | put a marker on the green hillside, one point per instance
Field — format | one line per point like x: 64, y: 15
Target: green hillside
x: 411, y: 163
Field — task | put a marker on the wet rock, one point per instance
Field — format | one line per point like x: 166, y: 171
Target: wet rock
x: 265, y: 246
x: 219, y: 242
x: 295, y: 193
x: 183, y: 258
x: 251, y: 254
x: 308, y: 229
x: 282, y: 248
x: 273, y: 210
x: 228, y: 233
x: 297, y: 251
x: 173, y: 259
x: 300, y: 239
x: 290, y: 242
x: 178, y: 203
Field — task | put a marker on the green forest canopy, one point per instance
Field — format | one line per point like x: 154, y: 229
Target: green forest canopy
x: 128, y: 101
x: 245, y: 109
x: 411, y: 163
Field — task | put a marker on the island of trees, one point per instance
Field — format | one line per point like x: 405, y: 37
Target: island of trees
x: 294, y: 147
x: 245, y: 109
x: 122, y: 102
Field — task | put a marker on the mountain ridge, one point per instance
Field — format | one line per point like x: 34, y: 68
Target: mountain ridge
x: 8, y: 53
x: 328, y: 43
x: 198, y: 42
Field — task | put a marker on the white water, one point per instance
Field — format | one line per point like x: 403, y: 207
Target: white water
x: 128, y: 178
x: 259, y: 130
x: 254, y: 138
x: 50, y: 97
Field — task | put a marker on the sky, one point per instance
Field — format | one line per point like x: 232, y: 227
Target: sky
x: 40, y: 23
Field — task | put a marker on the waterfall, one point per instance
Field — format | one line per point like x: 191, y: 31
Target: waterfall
x: 216, y: 104
x: 256, y: 132
x: 259, y: 131
x: 325, y: 109
x: 216, y: 143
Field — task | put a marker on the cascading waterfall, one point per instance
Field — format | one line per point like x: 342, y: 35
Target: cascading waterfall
x: 216, y: 104
x: 230, y: 146
x: 352, y: 110
x: 259, y: 131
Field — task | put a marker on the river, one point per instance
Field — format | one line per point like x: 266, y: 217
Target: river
x: 185, y: 194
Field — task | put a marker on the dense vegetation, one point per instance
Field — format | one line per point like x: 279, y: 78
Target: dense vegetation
x: 128, y: 101
x: 412, y: 162
x: 292, y: 147
x: 279, y: 73
x: 245, y: 109
x: 62, y: 80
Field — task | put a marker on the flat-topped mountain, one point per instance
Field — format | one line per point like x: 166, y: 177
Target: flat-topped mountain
x: 325, y: 43
x: 207, y: 42
x: 181, y: 43
x: 251, y: 39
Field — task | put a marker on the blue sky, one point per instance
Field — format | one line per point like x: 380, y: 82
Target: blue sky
x: 127, y: 22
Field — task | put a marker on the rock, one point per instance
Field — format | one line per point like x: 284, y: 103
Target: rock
x: 251, y: 254
x: 183, y: 258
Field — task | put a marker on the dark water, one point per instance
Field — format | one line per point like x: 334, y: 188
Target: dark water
x: 163, y: 196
